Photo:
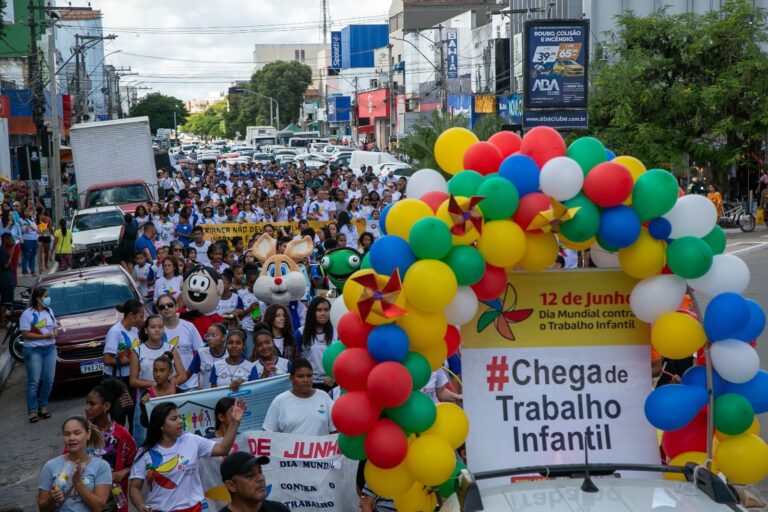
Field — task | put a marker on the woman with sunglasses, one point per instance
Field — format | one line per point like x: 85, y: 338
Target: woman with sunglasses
x: 180, y: 334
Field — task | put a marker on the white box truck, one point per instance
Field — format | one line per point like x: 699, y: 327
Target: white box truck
x: 114, y: 163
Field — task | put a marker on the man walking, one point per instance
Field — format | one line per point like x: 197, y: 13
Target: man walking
x: 241, y: 474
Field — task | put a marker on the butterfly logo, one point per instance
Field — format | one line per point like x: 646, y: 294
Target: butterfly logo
x: 157, y: 469
x: 502, y: 313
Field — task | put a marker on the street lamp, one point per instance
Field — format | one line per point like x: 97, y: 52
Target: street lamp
x: 240, y: 90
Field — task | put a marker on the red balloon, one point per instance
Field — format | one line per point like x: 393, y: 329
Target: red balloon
x: 543, y: 144
x: 434, y: 199
x: 530, y: 206
x: 390, y: 384
x: 353, y: 331
x: 491, y: 285
x: 690, y: 438
x: 354, y: 413
x: 507, y: 142
x: 386, y: 444
x: 452, y: 339
x: 608, y: 184
x: 351, y: 369
x: 483, y: 157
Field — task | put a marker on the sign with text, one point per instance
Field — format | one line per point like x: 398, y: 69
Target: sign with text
x: 336, y: 50
x: 452, y: 53
x: 556, y: 366
x: 558, y: 119
x: 556, y: 63
x: 248, y: 230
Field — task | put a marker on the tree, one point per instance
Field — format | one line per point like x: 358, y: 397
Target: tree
x: 487, y: 125
x: 211, y: 123
x: 420, y: 143
x: 685, y: 84
x: 160, y: 109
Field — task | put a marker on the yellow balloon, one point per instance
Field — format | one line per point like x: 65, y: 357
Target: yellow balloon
x: 699, y: 458
x: 451, y: 424
x: 540, y: 251
x: 354, y: 293
x: 430, y: 460
x: 430, y: 285
x: 470, y: 235
x: 388, y: 482
x: 435, y: 354
x: 633, y: 165
x: 424, y: 328
x: 404, y: 214
x: 677, y: 335
x: 418, y: 498
x: 754, y: 428
x: 502, y: 243
x: 644, y: 258
x: 576, y: 246
x: 450, y: 147
x: 743, y: 459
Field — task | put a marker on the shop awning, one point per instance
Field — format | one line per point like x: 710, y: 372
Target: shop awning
x: 366, y: 129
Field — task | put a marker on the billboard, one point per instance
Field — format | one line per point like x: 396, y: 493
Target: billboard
x: 336, y: 50
x: 556, y: 63
x: 452, y: 53
x: 511, y: 108
x: 339, y: 109
x: 373, y: 104
x: 559, y: 119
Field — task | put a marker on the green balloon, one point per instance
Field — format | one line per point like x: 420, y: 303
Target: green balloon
x: 716, y: 240
x: 418, y: 366
x: 330, y: 355
x: 689, y: 257
x: 430, y: 238
x: 733, y: 414
x: 366, y: 263
x: 353, y: 447
x: 588, y: 152
x: 465, y: 183
x: 467, y: 264
x: 585, y: 222
x: 654, y: 194
x: 449, y: 486
x: 501, y: 198
x: 416, y: 415
x: 606, y: 246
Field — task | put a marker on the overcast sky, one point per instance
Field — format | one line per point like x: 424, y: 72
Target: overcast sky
x: 212, y: 41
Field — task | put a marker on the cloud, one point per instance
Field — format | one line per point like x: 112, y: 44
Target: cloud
x: 212, y: 42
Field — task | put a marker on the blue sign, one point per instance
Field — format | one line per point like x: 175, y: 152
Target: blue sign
x: 558, y: 119
x: 556, y: 64
x: 511, y: 108
x: 452, y: 57
x: 339, y: 109
x: 336, y: 50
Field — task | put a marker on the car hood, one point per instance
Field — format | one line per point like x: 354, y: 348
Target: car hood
x: 86, y: 326
x: 94, y: 236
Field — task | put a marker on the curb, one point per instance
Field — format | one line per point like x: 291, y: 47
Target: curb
x: 6, y: 365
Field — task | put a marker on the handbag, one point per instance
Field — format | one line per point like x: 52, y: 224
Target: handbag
x: 126, y: 400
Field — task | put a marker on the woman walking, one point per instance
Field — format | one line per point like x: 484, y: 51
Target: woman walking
x: 30, y: 237
x: 44, y: 224
x: 62, y: 245
x: 39, y: 329
x: 127, y: 242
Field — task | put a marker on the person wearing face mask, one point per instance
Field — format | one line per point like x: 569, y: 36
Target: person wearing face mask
x: 39, y: 329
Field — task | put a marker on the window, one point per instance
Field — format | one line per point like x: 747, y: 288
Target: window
x: 299, y: 54
x: 90, y: 294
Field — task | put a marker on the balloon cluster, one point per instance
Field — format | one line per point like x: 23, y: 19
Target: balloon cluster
x: 510, y: 203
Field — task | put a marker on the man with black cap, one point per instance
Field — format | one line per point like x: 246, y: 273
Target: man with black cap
x: 242, y: 476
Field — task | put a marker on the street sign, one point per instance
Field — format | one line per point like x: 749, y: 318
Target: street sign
x: 452, y: 55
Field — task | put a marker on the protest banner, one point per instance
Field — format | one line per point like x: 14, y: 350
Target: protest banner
x: 196, y: 407
x: 306, y: 473
x: 249, y: 230
x: 560, y: 365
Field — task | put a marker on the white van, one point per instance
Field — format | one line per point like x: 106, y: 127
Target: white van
x: 371, y: 158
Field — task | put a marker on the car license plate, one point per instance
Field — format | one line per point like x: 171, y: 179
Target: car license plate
x: 93, y: 367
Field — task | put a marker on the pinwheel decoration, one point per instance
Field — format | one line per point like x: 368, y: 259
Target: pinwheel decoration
x: 378, y: 299
x: 550, y: 219
x: 469, y: 213
x: 502, y: 313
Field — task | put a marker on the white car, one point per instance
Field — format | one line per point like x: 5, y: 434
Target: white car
x: 397, y: 169
x: 95, y: 234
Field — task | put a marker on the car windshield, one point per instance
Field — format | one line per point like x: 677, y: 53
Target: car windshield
x: 89, y: 294
x: 88, y: 221
x: 117, y: 195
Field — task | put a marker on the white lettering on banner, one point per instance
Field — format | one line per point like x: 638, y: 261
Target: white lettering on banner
x: 305, y: 473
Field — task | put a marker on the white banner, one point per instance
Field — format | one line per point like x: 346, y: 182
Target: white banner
x: 306, y: 473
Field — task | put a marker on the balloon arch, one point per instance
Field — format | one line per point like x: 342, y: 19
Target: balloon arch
x: 509, y: 204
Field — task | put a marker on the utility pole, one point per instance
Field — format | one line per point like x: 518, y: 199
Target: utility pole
x: 355, y: 118
x: 443, y: 77
x: 391, y: 89
x: 35, y: 78
x: 80, y: 71
x: 54, y: 169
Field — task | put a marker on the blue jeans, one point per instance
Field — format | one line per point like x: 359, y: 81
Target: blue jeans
x: 41, y: 367
x: 28, y: 256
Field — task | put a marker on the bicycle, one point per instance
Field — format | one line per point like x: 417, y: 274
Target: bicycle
x: 735, y: 215
x: 13, y: 332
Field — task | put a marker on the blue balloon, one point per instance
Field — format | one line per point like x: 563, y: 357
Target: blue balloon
x: 755, y: 390
x: 660, y: 228
x: 697, y: 376
x: 619, y: 226
x: 383, y: 218
x: 522, y: 171
x: 755, y: 325
x: 391, y: 252
x: 388, y: 343
x: 609, y: 155
x: 727, y: 314
x: 673, y: 406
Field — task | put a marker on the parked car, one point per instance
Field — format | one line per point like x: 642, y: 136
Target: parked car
x: 396, y: 169
x: 95, y: 235
x: 84, y: 303
x: 128, y: 195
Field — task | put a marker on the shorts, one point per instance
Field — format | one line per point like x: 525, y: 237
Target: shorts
x: 44, y: 239
x: 6, y: 294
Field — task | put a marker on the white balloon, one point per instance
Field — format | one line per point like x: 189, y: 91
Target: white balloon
x: 338, y: 308
x: 657, y: 295
x: 692, y: 215
x: 603, y: 258
x: 728, y: 273
x: 463, y: 307
x: 423, y: 181
x: 735, y: 360
x: 561, y: 178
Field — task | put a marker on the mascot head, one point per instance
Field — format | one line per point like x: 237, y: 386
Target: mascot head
x: 202, y: 289
x: 339, y: 264
x: 281, y: 280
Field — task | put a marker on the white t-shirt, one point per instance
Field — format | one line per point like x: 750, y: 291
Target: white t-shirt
x: 248, y: 298
x: 38, y: 322
x: 185, y: 338
x: 314, y: 354
x: 282, y: 366
x: 119, y: 339
x: 147, y: 356
x: 202, y: 365
x: 179, y: 464
x: 293, y: 415
x: 202, y: 252
x: 226, y: 306
x: 166, y: 232
x: 144, y: 272
x: 224, y: 373
x: 437, y: 380
x: 350, y: 232
x: 321, y: 209
x: 170, y: 286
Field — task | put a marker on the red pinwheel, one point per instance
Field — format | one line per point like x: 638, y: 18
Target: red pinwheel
x: 379, y: 299
x: 460, y: 216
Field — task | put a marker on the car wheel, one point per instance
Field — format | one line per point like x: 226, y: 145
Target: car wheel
x: 17, y: 348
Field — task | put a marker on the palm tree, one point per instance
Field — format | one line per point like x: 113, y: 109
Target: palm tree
x: 420, y: 144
